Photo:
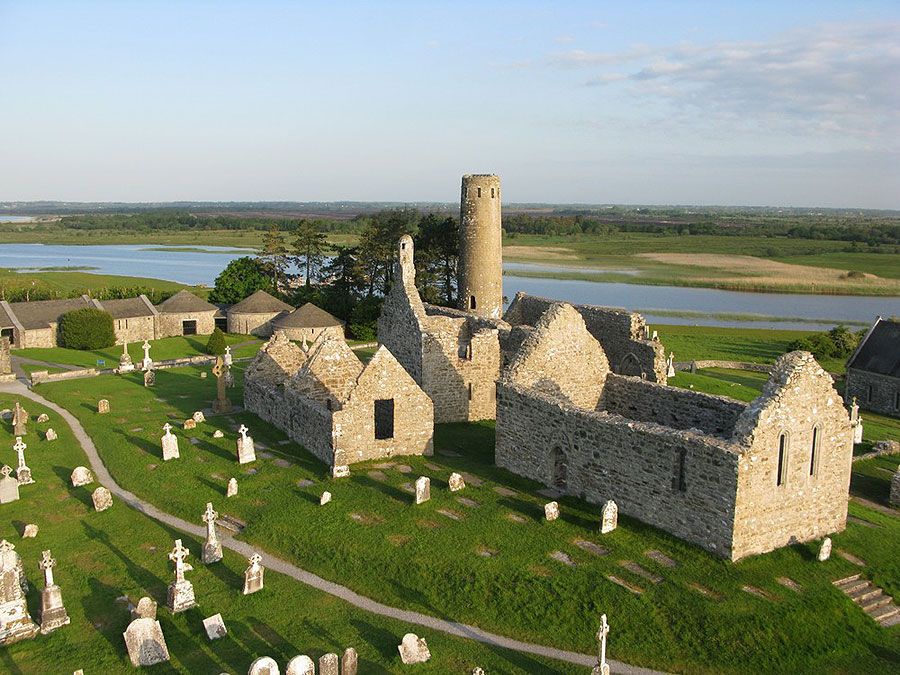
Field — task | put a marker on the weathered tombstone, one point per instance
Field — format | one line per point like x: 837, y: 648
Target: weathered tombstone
x: 181, y: 591
x: 602, y: 667
x: 229, y: 378
x: 300, y: 665
x: 15, y: 622
x: 50, y: 435
x: 246, y: 452
x: 232, y: 488
x: 477, y: 670
x: 894, y: 498
x: 456, y: 482
x: 144, y: 637
x: 218, y: 433
x: 81, y: 475
x: 825, y: 550
x: 9, y: 487
x: 609, y: 517
x: 198, y: 417
x: 43, y: 418
x: 328, y: 664
x: 423, y: 489
x: 264, y: 665
x: 147, y: 363
x: 228, y: 359
x: 125, y: 363
x: 413, y: 649
x: 20, y: 420
x: 23, y: 473
x: 856, y: 422
x: 169, y: 444
x: 189, y: 424
x: 103, y: 406
x: 670, y: 365
x: 340, y: 471
x: 149, y: 378
x: 253, y: 576
x: 215, y: 627
x: 551, y: 511
x: 102, y: 499
x: 53, y: 612
x: 349, y: 662
x: 221, y: 404
x: 212, y: 548
x: 30, y: 531
x: 145, y: 607
x: 325, y: 498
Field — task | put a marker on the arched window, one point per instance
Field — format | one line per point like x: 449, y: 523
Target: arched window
x: 472, y: 303
x: 781, y: 474
x: 678, y: 480
x: 814, y: 453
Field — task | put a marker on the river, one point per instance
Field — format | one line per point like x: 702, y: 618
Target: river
x: 197, y: 265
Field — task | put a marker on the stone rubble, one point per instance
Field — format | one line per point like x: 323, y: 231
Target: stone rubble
x: 325, y: 498
x: 50, y: 435
x: 43, y: 417
x: 29, y: 531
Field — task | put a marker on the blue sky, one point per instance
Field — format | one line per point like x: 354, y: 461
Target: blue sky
x: 761, y: 103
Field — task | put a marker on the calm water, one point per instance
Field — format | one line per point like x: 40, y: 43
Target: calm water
x: 198, y: 267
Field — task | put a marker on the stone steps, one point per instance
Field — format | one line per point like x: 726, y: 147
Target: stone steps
x: 871, y: 599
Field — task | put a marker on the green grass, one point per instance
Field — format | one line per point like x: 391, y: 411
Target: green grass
x: 120, y: 552
x: 872, y: 478
x: 415, y: 557
x: 65, y: 283
x: 882, y: 264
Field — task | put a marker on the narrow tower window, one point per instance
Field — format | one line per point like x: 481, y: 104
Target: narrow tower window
x: 869, y: 394
x: 814, y: 453
x: 479, y: 192
x: 472, y: 302
x: 678, y: 481
x: 471, y: 389
x: 782, y: 460
x: 492, y: 193
x: 897, y: 400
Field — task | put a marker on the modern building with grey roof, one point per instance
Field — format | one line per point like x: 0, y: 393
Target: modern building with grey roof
x: 254, y: 314
x: 873, y: 372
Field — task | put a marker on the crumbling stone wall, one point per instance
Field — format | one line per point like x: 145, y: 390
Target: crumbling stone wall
x: 875, y: 392
x: 264, y: 380
x: 172, y: 325
x: 5, y: 363
x: 895, y: 489
x: 40, y: 337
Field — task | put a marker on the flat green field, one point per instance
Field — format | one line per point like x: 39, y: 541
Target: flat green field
x: 65, y: 283
x: 491, y: 560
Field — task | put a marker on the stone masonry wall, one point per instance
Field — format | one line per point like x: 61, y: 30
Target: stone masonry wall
x: 677, y: 408
x: 135, y: 329
x: 5, y: 363
x: 40, y: 337
x: 312, y: 334
x: 171, y: 325
x: 251, y: 324
x: 884, y: 391
x: 895, y: 489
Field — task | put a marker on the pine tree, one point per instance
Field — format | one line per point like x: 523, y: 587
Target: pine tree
x: 274, y: 255
x: 309, y: 248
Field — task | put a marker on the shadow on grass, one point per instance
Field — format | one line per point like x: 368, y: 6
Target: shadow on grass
x: 218, y: 487
x: 389, y: 490
x: 149, y: 581
x: 83, y: 493
x: 524, y: 508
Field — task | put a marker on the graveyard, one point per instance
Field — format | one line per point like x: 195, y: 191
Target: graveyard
x: 483, y: 555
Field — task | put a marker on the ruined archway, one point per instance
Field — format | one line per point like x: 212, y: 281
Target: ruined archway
x: 630, y: 365
x: 559, y: 477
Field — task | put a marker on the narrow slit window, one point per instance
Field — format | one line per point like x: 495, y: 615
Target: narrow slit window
x: 897, y: 400
x: 479, y: 192
x: 472, y: 303
x: 492, y: 193
x: 814, y: 453
x: 471, y: 390
x: 384, y: 419
x: 869, y: 394
x: 782, y: 460
x: 678, y: 480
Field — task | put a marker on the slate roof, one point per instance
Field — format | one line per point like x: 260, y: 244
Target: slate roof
x: 41, y: 313
x: 307, y: 316
x: 185, y: 302
x: 260, y: 302
x: 880, y: 350
x: 5, y: 321
x: 127, y: 308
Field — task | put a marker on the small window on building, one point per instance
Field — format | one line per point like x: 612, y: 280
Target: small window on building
x: 678, y: 480
x: 814, y: 453
x: 384, y: 418
x: 7, y: 333
x: 869, y: 394
x: 492, y: 193
x: 471, y: 390
x: 188, y: 327
x: 472, y: 303
x: 782, y: 460
x: 479, y: 192
x: 222, y: 324
x: 328, y: 404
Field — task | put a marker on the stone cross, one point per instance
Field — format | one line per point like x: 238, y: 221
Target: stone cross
x: 23, y: 473
x: 253, y: 576
x: 47, y: 564
x: 212, y: 548
x: 177, y: 555
x: 148, y: 362
x: 601, y: 638
x: 670, y: 365
x: 20, y: 417
x: 221, y: 404
x: 20, y: 447
x: 243, y: 432
x: 167, y: 428
x: 228, y: 359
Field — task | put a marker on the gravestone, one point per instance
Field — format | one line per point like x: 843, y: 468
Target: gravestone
x: 232, y: 489
x: 181, y: 591
x: 212, y: 548
x: 198, y: 417
x: 42, y: 418
x: 825, y: 550
x: 218, y: 433
x: 215, y: 627
x: 894, y: 498
x: 456, y: 482
x: 229, y: 378
x: 253, y: 576
x: 246, y: 452
x: 328, y: 664
x: 349, y: 662
x: 602, y: 667
x: 102, y: 406
x: 20, y: 420
x: 50, y: 435
x: 23, y: 473
x: 325, y: 498
x: 102, y: 499
x: 125, y: 363
x: 340, y: 471
x: 264, y: 665
x: 423, y: 489
x: 169, y: 444
x: 189, y: 424
x: 53, y: 613
x: 149, y: 378
x: 413, y: 649
x: 9, y: 487
x: 81, y: 475
x: 30, y: 531
x: 670, y: 365
x: 609, y: 517
x: 551, y: 511
x: 144, y: 637
x: 221, y: 404
x: 145, y: 607
x: 147, y: 363
x: 228, y: 359
x: 15, y: 621
x: 300, y: 665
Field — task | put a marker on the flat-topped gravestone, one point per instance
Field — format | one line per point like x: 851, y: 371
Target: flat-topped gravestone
x: 301, y: 665
x: 30, y: 531
x: 328, y: 664
x: 102, y: 406
x: 264, y: 665
x: 9, y: 487
x: 169, y: 444
x: 102, y: 499
x: 43, y: 417
x: 198, y: 417
x: 423, y: 489
x: 325, y: 498
x: 551, y: 511
x: 53, y: 612
x: 145, y: 642
x: 609, y: 517
x: 824, y: 550
x: 253, y: 576
x: 246, y: 452
x: 189, y: 424
x: 50, y: 435
x: 215, y: 627
x: 232, y: 488
x: 456, y: 482
x: 413, y: 649
x: 349, y: 662
x: 81, y: 475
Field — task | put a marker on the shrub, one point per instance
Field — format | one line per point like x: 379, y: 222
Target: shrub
x: 87, y: 328
x: 216, y: 344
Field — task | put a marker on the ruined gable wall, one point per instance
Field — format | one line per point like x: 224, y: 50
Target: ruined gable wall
x: 399, y: 327
x: 884, y: 391
x: 310, y: 424
x: 633, y: 463
x: 672, y: 407
x: 798, y: 397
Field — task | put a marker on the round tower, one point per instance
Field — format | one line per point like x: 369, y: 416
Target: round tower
x: 480, y: 246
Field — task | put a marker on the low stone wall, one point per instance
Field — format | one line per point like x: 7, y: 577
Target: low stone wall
x: 881, y: 449
x: 7, y: 377
x: 42, y: 376
x: 729, y: 365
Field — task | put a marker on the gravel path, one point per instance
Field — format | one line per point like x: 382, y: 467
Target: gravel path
x: 308, y: 578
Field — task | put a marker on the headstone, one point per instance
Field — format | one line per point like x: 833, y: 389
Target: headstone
x: 147, y: 363
x: 146, y: 607
x: 144, y: 637
x: 264, y: 665
x: 23, y: 473
x: 228, y: 359
x: 477, y: 670
x: 198, y: 417
x: 246, y: 452
x: 181, y: 591
x: 30, y: 531
x: 456, y: 482
x: 856, y: 423
x: 169, y: 444
x: 53, y: 613
x: 215, y: 627
x: 349, y: 662
x: 103, y: 406
x: 894, y: 497
x: 253, y: 576
x: 81, y: 475
x: 602, y: 667
x: 232, y: 489
x: 125, y: 363
x: 42, y: 418
x: 340, y: 471
x: 149, y: 378
x: 15, y: 622
x: 423, y: 489
x: 300, y: 665
x: 50, y: 435
x: 325, y: 498
x: 413, y: 649
x: 328, y: 664
x: 551, y: 511
x: 20, y: 420
x: 229, y: 378
x: 609, y: 517
x: 218, y: 433
x: 189, y: 424
x: 825, y: 550
x: 221, y: 404
x: 203, y: 375
x: 102, y: 499
x: 212, y: 548
x: 9, y: 487
x: 670, y: 365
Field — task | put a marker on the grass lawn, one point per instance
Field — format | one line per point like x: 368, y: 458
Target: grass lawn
x: 489, y: 561
x: 66, y: 282
x: 120, y: 552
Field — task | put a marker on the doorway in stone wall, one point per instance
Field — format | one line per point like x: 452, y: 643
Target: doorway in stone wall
x: 630, y: 366
x: 560, y: 477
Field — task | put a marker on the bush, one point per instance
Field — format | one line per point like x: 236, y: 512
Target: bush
x: 87, y: 328
x: 216, y: 344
